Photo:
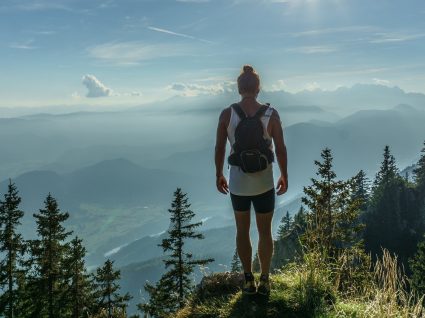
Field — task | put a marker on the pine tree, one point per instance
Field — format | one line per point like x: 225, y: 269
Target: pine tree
x: 24, y: 303
x: 107, y: 290
x: 388, y: 171
x: 394, y: 219
x: 384, y: 216
x: 236, y: 266
x: 417, y: 266
x: 77, y: 284
x: 45, y: 266
x: 12, y: 246
x: 172, y: 290
x: 333, y: 213
x: 419, y: 174
x: 285, y: 225
x: 300, y: 221
x: 256, y: 267
x: 361, y: 189
x: 419, y: 177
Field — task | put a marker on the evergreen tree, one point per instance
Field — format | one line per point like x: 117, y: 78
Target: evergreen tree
x: 300, y: 221
x: 361, y: 189
x: 77, y: 284
x: 45, y: 266
x: 417, y: 266
x: 383, y: 219
x: 419, y: 174
x: 392, y: 217
x: 107, y: 290
x: 288, y: 247
x: 236, y: 266
x: 332, y: 219
x: 256, y: 267
x: 163, y: 298
x: 12, y: 247
x: 172, y: 290
x: 24, y: 303
x: 285, y: 225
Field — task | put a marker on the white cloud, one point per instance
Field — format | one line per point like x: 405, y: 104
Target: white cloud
x: 37, y: 5
x: 312, y: 86
x: 280, y: 85
x: 319, y: 49
x: 95, y: 87
x: 194, y: 89
x: 129, y: 94
x: 76, y: 95
x: 381, y: 81
x: 395, y: 37
x: 345, y: 29
x: 42, y: 32
x: 27, y: 45
x: 133, y: 52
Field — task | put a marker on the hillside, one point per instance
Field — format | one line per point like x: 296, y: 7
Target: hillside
x: 306, y: 290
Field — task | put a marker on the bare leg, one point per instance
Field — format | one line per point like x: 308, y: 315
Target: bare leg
x: 265, y: 240
x: 243, y: 241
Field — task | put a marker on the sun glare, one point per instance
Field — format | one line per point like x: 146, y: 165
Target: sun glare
x: 312, y: 8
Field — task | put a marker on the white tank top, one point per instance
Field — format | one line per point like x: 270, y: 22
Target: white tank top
x: 241, y: 183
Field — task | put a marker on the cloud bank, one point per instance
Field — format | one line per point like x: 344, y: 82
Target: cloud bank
x: 194, y: 89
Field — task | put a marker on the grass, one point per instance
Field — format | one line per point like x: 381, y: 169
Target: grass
x: 307, y: 289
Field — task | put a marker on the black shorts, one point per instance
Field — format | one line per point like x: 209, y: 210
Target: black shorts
x: 263, y: 203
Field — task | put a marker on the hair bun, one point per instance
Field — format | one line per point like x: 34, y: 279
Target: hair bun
x: 248, y: 69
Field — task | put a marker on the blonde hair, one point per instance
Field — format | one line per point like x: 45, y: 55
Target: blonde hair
x: 248, y: 80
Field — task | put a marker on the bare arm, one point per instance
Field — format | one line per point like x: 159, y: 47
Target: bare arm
x: 280, y: 151
x: 220, y: 151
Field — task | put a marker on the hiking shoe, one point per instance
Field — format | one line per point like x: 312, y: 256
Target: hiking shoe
x: 264, y: 285
x: 249, y: 287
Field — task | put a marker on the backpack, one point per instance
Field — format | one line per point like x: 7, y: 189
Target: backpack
x: 251, y: 149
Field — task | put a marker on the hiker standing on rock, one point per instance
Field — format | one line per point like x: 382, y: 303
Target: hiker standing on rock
x: 250, y: 128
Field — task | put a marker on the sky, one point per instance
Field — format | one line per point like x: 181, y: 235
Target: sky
x: 129, y: 52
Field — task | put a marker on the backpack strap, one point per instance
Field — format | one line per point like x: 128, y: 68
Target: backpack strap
x: 242, y: 115
x: 261, y: 111
x: 238, y: 109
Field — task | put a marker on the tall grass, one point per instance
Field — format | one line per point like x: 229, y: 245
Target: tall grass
x: 387, y: 295
x: 391, y: 297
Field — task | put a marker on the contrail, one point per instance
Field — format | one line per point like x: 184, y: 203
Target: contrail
x: 178, y: 34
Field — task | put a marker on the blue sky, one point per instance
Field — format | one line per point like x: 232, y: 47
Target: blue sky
x: 134, y: 51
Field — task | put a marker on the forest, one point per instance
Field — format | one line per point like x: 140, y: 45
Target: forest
x: 356, y: 248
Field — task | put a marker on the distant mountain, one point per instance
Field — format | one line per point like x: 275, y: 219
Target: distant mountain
x: 110, y: 203
x: 357, y: 142
x: 361, y: 96
x: 68, y: 138
x: 115, y: 182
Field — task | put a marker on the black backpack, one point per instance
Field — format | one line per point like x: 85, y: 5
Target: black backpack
x: 251, y: 149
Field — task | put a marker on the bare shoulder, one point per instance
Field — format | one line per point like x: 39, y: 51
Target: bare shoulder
x: 225, y: 115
